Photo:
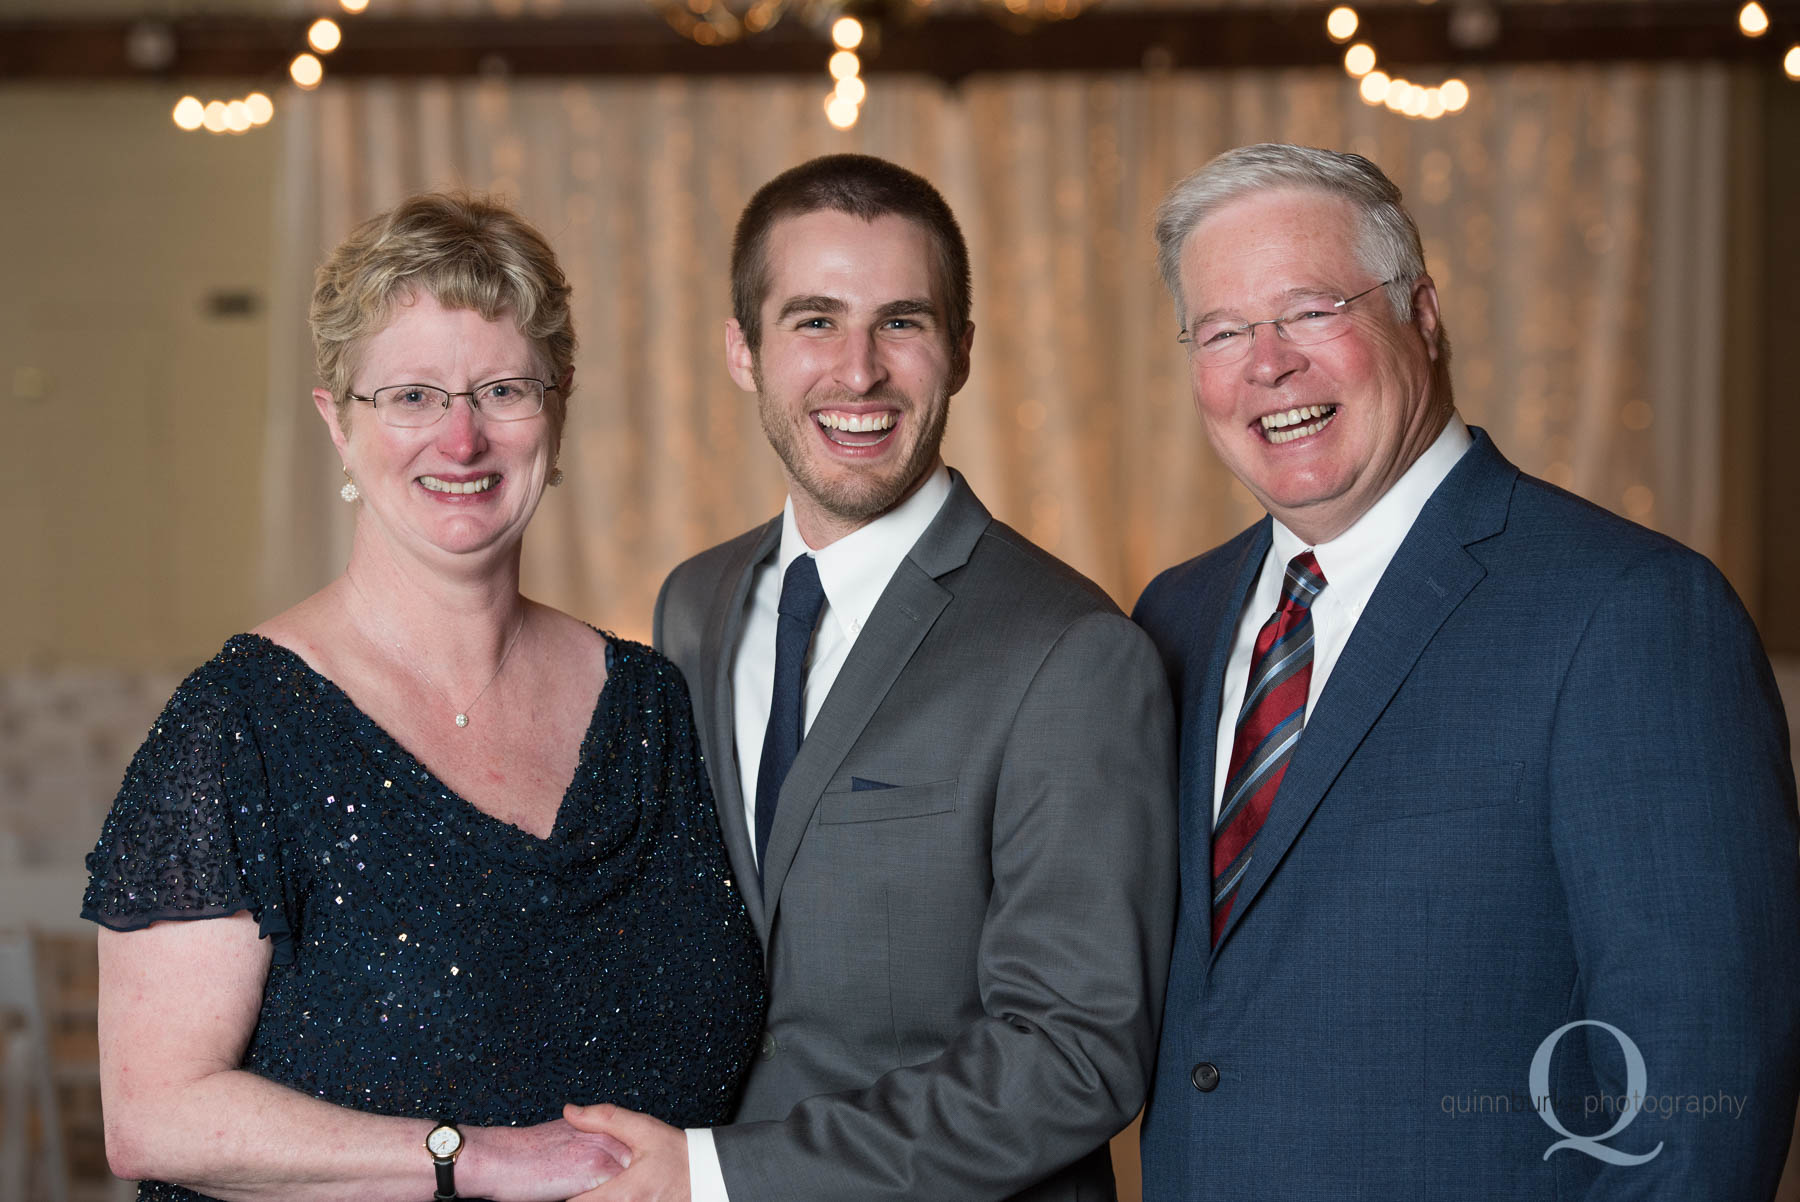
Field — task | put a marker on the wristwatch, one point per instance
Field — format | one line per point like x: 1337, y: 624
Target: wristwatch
x: 445, y: 1143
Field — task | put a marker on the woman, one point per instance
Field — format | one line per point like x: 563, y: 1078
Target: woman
x: 419, y: 853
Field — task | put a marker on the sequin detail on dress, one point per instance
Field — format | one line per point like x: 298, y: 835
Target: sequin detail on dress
x: 431, y: 960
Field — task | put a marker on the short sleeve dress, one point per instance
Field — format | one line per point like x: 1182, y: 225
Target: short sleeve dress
x: 430, y: 960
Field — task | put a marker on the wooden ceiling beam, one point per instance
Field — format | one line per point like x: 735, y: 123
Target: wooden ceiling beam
x: 948, y: 46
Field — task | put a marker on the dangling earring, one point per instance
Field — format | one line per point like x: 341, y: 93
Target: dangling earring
x: 555, y: 477
x: 349, y: 492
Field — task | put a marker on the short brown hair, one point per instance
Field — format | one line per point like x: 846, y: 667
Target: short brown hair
x: 862, y: 186
x: 469, y: 252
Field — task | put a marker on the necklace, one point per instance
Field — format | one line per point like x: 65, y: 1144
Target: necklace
x: 462, y: 714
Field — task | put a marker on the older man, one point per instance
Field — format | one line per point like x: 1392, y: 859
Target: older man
x: 944, y: 762
x: 1489, y: 884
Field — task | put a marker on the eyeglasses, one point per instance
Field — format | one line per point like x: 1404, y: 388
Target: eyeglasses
x: 414, y: 405
x: 1316, y: 319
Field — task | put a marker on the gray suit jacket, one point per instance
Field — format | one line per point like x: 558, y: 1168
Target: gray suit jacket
x: 969, y: 891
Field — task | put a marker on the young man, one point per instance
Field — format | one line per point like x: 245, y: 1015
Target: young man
x: 964, y: 882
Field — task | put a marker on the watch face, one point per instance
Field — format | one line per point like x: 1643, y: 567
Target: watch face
x: 443, y: 1141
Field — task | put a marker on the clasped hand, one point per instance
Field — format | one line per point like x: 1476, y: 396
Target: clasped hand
x: 654, y: 1155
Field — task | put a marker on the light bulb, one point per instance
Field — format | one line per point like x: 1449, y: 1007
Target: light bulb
x: 846, y: 33
x: 324, y: 35
x: 306, y: 71
x: 189, y: 112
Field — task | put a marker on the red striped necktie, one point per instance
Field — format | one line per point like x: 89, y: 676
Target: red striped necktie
x: 1268, y: 727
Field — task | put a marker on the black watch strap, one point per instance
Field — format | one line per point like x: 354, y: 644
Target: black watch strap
x: 446, y: 1174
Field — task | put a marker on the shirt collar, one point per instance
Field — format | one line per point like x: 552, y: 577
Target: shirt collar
x: 1354, y: 561
x: 855, y: 570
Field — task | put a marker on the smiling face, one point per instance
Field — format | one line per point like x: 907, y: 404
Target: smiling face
x: 856, y: 368
x: 466, y: 484
x: 1317, y: 433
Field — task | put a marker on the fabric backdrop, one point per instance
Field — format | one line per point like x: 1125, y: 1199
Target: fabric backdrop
x: 1575, y: 220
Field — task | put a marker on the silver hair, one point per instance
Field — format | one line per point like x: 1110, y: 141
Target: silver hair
x: 1389, y: 246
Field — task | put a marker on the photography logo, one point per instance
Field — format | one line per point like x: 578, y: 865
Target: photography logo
x: 1636, y: 1082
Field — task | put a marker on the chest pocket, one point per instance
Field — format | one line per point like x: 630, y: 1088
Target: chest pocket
x: 850, y: 804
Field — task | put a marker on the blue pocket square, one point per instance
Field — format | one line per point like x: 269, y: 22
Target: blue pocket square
x: 859, y: 785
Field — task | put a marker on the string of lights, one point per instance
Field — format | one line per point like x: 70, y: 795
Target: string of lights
x: 1753, y: 22
x: 254, y: 110
x: 843, y: 104
x: 1401, y: 96
x: 1409, y: 99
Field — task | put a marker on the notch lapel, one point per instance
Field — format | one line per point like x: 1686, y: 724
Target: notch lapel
x: 1429, y: 577
x: 1212, y: 628
x: 908, y: 608
x: 718, y: 648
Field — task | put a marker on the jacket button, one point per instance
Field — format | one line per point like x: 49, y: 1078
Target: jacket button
x: 1205, y: 1076
x: 767, y: 1048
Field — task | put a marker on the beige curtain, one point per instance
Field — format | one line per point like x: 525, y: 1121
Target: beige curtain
x: 1574, y: 220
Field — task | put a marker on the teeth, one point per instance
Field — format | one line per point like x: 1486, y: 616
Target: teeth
x: 461, y: 488
x: 866, y: 423
x: 1276, y: 421
x: 1285, y: 427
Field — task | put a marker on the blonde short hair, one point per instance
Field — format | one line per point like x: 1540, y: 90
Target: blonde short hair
x: 469, y: 252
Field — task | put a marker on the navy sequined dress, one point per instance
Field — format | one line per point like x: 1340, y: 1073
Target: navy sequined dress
x: 430, y: 960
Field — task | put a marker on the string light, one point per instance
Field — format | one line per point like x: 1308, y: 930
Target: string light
x: 846, y: 33
x: 1790, y: 62
x: 840, y: 112
x: 843, y: 104
x: 1398, y: 95
x: 255, y: 109
x: 1753, y: 20
x: 189, y: 112
x: 306, y: 71
x: 324, y: 35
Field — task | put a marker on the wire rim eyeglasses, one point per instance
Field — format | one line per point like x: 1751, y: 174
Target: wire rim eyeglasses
x: 411, y: 406
x: 1315, y: 321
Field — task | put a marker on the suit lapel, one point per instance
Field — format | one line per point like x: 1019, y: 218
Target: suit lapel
x: 896, y: 627
x: 1213, y: 627
x: 718, y: 649
x: 1429, y: 577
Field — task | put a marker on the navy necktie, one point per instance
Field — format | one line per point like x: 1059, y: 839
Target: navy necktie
x: 801, y: 599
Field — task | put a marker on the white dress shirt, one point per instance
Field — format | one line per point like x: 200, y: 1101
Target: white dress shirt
x: 854, y: 571
x: 1353, y: 564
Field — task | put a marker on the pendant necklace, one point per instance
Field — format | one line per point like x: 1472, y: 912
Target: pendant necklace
x: 462, y: 714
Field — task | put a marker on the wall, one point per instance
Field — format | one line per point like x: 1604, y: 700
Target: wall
x: 134, y: 417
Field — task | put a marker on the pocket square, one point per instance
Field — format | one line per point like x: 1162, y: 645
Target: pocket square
x: 859, y: 785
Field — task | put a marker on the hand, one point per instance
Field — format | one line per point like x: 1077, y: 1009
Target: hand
x: 656, y: 1159
x: 544, y: 1163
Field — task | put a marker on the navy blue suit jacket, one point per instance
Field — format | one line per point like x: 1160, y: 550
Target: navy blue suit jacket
x: 1547, y: 781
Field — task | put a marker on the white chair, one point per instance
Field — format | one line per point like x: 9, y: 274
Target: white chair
x: 28, y: 1080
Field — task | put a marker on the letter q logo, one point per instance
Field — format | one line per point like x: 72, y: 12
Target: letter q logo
x: 1636, y: 1080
